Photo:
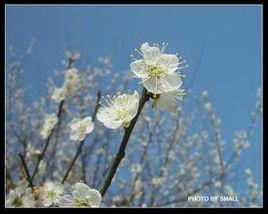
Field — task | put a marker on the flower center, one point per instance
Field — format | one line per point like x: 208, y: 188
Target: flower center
x: 17, y: 201
x: 36, y: 191
x: 69, y: 86
x: 82, y: 203
x: 122, y: 115
x: 51, y: 194
x: 70, y: 77
x: 82, y: 128
x: 155, y: 71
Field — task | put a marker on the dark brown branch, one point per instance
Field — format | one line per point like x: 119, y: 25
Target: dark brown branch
x: 28, y: 177
x: 97, y: 105
x: 121, y: 152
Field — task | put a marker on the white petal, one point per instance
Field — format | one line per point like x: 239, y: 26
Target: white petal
x: 89, y: 128
x: 136, y: 95
x: 132, y: 107
x: 144, y: 46
x: 58, y: 95
x: 169, y: 61
x: 66, y: 201
x: 71, y: 74
x: 80, y: 186
x: 47, y: 202
x: 75, y: 123
x: 167, y: 101
x: 95, y: 196
x: 76, y: 135
x: 103, y: 114
x: 121, y: 100
x: 170, y: 82
x: 89, y: 124
x: 87, y: 120
x: 80, y: 191
x: 113, y: 124
x: 139, y: 68
x: 151, y: 85
x: 151, y: 55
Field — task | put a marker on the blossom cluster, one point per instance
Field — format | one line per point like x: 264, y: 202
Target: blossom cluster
x: 53, y: 194
x: 160, y: 76
x: 49, y: 124
x: 70, y: 85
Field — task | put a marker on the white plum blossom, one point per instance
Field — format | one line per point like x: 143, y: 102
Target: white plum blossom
x: 218, y: 184
x: 240, y: 141
x: 32, y: 151
x: 157, y: 181
x: 28, y: 199
x: 20, y: 197
x: 51, y: 193
x: 73, y: 55
x: 208, y: 106
x: 81, y: 196
x: 49, y: 123
x: 72, y: 81
x: 248, y: 172
x: 157, y: 69
x: 119, y: 111
x: 72, y: 75
x: 14, y: 198
x: 80, y: 127
x: 58, y: 95
x: 136, y: 168
x: 205, y: 94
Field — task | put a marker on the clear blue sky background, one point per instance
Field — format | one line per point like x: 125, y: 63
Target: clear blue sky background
x: 227, y: 38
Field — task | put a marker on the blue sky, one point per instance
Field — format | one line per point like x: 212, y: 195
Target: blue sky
x: 226, y: 40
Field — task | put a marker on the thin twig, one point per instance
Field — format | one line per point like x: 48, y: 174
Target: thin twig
x: 121, y: 152
x: 47, y: 143
x: 97, y: 105
x: 10, y: 183
x: 79, y: 149
x: 29, y: 179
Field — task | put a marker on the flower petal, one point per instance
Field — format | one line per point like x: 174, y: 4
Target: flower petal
x: 103, y: 114
x: 167, y: 101
x: 133, y: 107
x: 151, y: 54
x: 169, y: 61
x: 170, y: 82
x: 139, y: 68
x: 89, y: 128
x: 95, y: 197
x: 76, y: 135
x: 88, y: 124
x: 66, y: 201
x: 113, y: 124
x: 80, y: 191
x: 144, y: 46
x: 74, y: 124
x: 151, y: 84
